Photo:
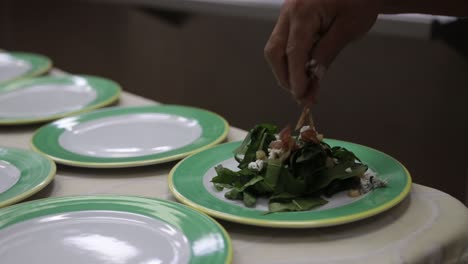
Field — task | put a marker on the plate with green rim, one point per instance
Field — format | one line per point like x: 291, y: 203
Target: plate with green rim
x: 110, y: 229
x: 22, y: 174
x: 19, y: 65
x: 48, y: 98
x: 130, y: 136
x: 189, y: 181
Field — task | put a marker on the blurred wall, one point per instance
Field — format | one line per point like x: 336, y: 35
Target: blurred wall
x: 406, y: 97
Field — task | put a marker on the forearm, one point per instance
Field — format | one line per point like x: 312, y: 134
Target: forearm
x: 435, y: 7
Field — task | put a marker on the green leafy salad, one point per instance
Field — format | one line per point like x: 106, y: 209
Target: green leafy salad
x: 295, y: 169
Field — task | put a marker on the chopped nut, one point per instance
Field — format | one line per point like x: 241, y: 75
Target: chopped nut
x: 354, y: 193
x: 320, y: 137
x: 260, y: 154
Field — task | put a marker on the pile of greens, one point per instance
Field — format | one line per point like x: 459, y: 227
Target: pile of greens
x: 306, y: 170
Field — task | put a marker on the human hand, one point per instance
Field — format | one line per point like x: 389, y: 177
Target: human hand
x: 308, y: 36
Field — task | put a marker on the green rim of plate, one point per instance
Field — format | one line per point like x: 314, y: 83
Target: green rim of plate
x: 107, y: 92
x: 186, y: 183
x: 39, y: 64
x: 194, y: 225
x: 36, y: 172
x: 214, y: 130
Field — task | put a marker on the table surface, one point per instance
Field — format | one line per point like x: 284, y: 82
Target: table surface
x: 429, y: 226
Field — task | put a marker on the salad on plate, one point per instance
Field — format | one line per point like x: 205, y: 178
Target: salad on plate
x: 296, y: 170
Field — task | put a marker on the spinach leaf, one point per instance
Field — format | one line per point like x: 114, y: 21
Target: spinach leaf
x: 306, y: 165
x: 290, y: 184
x: 298, y: 204
x: 339, y: 172
x: 281, y: 197
x: 251, y: 182
x: 248, y: 199
x: 220, y: 186
x: 273, y: 171
x: 343, y: 155
x: 225, y: 176
x: 308, y: 161
x: 341, y: 185
x: 233, y: 194
x: 258, y: 139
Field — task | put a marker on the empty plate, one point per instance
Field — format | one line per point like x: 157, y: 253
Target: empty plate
x: 110, y: 229
x: 130, y: 136
x: 47, y: 98
x: 22, y: 174
x: 17, y: 65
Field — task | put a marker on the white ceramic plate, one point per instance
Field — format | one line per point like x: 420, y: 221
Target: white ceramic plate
x: 110, y: 230
x: 9, y: 175
x: 130, y: 136
x: 52, y: 97
x: 18, y: 65
x: 189, y: 181
x: 22, y: 174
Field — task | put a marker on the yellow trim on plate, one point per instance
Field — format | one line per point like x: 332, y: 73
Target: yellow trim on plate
x: 107, y: 102
x: 226, y: 234
x: 36, y: 189
x: 129, y: 164
x: 292, y: 224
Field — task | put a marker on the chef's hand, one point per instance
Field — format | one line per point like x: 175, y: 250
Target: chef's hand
x: 307, y: 37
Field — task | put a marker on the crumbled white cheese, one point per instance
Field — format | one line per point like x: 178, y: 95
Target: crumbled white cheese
x: 369, y: 182
x: 256, y: 165
x: 348, y: 170
x: 274, y: 153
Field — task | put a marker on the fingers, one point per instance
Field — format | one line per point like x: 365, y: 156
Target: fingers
x: 331, y: 43
x: 303, y: 31
x: 297, y: 59
x: 275, y: 49
x: 324, y: 52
